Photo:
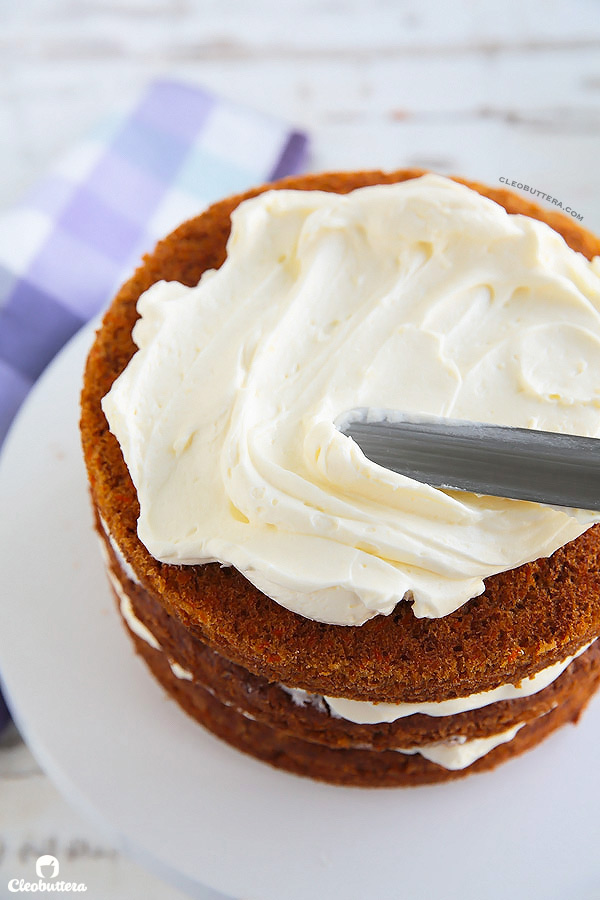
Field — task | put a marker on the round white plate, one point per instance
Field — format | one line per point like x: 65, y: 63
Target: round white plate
x: 196, y: 809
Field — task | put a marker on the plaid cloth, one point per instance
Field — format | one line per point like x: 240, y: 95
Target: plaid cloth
x: 65, y: 249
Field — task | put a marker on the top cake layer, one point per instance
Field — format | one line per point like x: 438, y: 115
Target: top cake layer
x: 421, y: 296
x: 527, y: 618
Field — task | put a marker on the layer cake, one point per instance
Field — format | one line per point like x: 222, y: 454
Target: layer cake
x: 371, y: 688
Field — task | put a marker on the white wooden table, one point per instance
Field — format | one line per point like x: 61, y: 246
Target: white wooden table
x: 485, y: 90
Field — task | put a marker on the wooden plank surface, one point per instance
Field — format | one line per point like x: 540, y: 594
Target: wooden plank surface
x: 479, y: 89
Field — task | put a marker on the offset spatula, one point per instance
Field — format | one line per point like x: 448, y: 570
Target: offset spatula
x: 558, y: 469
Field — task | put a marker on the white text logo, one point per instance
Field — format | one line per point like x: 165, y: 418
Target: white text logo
x: 46, y: 867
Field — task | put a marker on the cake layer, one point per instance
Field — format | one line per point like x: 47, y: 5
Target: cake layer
x: 308, y: 717
x: 343, y: 766
x: 526, y: 620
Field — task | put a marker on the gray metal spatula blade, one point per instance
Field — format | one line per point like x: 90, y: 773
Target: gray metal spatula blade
x: 519, y: 463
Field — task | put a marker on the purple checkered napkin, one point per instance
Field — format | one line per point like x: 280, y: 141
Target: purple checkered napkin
x: 66, y: 248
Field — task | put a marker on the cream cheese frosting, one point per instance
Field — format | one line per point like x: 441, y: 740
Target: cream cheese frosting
x: 125, y: 566
x: 457, y: 753
x: 142, y: 631
x: 132, y: 621
x: 421, y: 296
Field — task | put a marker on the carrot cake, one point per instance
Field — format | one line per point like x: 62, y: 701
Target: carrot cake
x: 309, y: 607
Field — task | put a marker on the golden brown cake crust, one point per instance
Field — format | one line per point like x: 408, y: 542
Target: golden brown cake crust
x: 527, y: 619
x: 342, y: 766
x: 267, y: 702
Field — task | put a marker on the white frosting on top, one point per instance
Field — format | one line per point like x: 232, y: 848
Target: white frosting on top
x: 421, y: 296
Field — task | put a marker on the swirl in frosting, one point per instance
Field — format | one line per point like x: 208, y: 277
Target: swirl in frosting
x: 421, y: 296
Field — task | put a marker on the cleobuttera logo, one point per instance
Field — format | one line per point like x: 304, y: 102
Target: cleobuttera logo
x: 47, y: 869
x: 46, y: 862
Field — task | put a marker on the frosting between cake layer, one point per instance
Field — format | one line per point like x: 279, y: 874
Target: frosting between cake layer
x: 125, y: 566
x: 458, y: 754
x: 133, y: 623
x: 421, y: 296
x: 363, y: 712
x: 142, y: 631
x: 454, y: 753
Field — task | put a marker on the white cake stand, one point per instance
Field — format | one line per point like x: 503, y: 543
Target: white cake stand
x: 198, y: 811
